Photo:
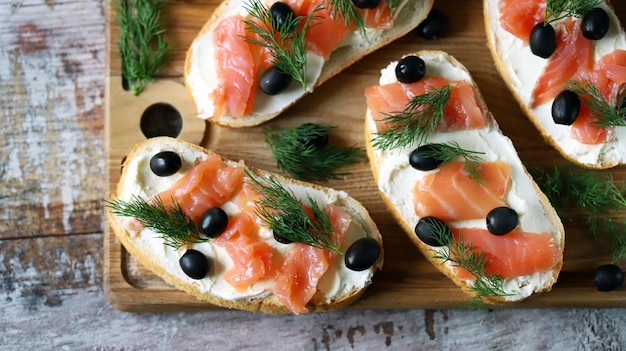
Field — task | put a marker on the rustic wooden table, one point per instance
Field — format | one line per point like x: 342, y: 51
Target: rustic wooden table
x: 52, y: 182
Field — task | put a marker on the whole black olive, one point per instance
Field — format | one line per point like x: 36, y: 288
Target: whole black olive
x: 273, y: 81
x: 433, y: 231
x: 362, y: 254
x: 595, y: 24
x: 542, y: 40
x: 420, y: 160
x: 565, y: 107
x: 165, y: 163
x: 608, y: 277
x: 281, y: 239
x: 194, y: 264
x: 314, y: 135
x: 213, y: 222
x: 435, y: 24
x: 501, y: 220
x: 366, y: 4
x: 410, y: 69
x: 280, y: 13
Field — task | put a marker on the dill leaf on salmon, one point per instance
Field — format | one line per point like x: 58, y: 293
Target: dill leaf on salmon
x: 447, y: 152
x: 559, y: 9
x: 419, y: 119
x: 605, y: 114
x: 283, y: 213
x: 595, y: 193
x: 175, y: 227
x: 143, y: 47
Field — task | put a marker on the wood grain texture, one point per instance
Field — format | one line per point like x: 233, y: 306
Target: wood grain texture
x: 407, y: 279
x: 51, y: 241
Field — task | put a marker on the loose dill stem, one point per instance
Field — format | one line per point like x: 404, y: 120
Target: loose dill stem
x: 284, y: 214
x: 605, y: 114
x: 420, y: 118
x: 594, y: 193
x: 174, y: 226
x: 559, y: 9
x: 143, y: 48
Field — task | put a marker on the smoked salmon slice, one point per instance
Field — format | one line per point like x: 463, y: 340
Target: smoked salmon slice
x: 518, y: 17
x: 511, y: 255
x: 461, y: 111
x: 379, y: 17
x: 584, y: 130
x: 295, y: 281
x: 450, y: 194
x: 573, y: 57
x: 236, y: 69
x: 208, y: 184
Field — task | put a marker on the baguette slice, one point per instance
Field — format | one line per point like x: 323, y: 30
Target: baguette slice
x: 201, y: 73
x: 396, y: 179
x: 520, y: 70
x: 337, y: 288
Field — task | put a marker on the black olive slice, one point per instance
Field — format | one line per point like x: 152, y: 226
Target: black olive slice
x: 608, y: 277
x: 165, y: 163
x: 194, y: 264
x: 595, y: 24
x: 502, y: 220
x: 410, y: 69
x: 434, y: 26
x: 362, y: 254
x: 213, y: 222
x: 565, y: 107
x: 433, y: 231
x: 542, y: 40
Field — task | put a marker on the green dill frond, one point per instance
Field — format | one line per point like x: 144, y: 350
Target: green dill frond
x: 308, y: 162
x: 416, y: 122
x: 559, y: 9
x: 283, y: 213
x: 605, y: 114
x: 142, y: 44
x: 447, y: 152
x: 174, y: 226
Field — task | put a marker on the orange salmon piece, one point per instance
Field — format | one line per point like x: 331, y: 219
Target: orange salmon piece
x: 584, y: 130
x: 573, y: 56
x: 461, y: 111
x: 511, y: 255
x: 450, y: 194
x: 379, y: 17
x: 518, y: 17
x: 236, y: 69
x: 208, y: 184
x: 295, y: 281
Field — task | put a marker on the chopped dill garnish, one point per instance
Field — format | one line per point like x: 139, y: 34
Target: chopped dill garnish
x: 143, y: 48
x: 605, y: 114
x: 349, y: 12
x: 559, y: 9
x: 283, y: 213
x: 286, y: 43
x: 175, y: 227
x: 306, y: 161
x: 593, y: 192
x: 474, y: 261
x: 447, y: 152
x: 416, y: 122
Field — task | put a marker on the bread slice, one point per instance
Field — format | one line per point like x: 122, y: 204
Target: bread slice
x: 200, y: 72
x: 337, y: 288
x: 520, y: 70
x: 396, y: 179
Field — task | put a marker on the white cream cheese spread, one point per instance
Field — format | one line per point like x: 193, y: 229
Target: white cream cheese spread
x: 524, y: 68
x: 396, y: 176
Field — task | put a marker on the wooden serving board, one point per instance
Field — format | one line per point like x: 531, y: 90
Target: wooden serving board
x: 407, y: 280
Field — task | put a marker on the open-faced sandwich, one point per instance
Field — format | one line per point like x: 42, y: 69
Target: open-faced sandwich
x: 456, y: 184
x: 565, y: 62
x: 240, y: 237
x: 255, y: 58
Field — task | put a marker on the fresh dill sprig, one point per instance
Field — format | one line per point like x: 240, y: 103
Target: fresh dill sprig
x: 308, y: 162
x: 284, y: 214
x: 349, y: 12
x: 559, y: 9
x: 286, y: 43
x: 594, y: 193
x: 605, y: 115
x: 447, y: 152
x: 175, y: 227
x: 393, y: 5
x: 143, y: 48
x: 416, y: 122
x: 474, y: 261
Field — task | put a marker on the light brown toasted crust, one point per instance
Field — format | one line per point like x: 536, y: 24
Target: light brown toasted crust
x: 268, y: 304
x: 409, y: 18
x: 506, y: 77
x: 410, y: 231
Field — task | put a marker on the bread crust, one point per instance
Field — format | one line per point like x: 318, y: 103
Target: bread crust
x: 506, y: 74
x: 414, y: 12
x: 268, y: 304
x: 409, y: 229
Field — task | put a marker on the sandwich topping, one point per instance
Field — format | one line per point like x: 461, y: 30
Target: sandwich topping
x: 240, y: 236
